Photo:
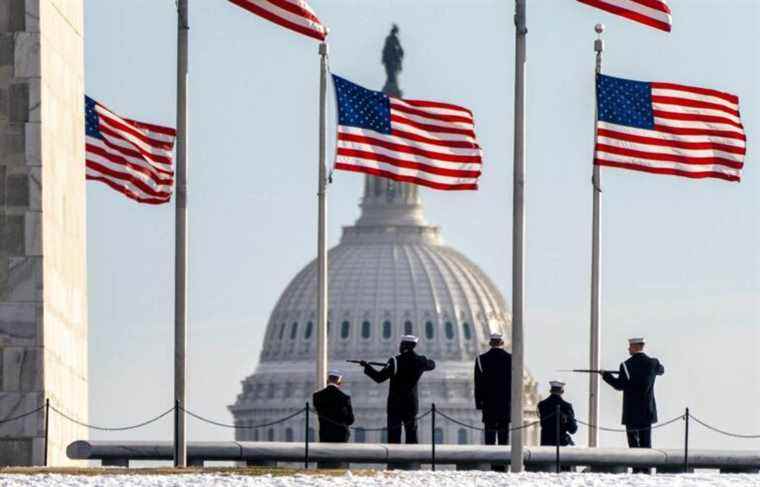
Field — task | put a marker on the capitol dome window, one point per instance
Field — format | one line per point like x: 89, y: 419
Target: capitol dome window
x: 449, y: 330
x: 288, y: 434
x: 360, y: 436
x: 345, y: 330
x: 366, y: 329
x: 429, y: 330
x: 270, y: 434
x: 467, y: 331
x: 386, y: 329
x: 256, y: 435
x: 311, y: 434
x: 293, y: 330
x: 462, y: 436
x: 307, y: 331
x: 438, y: 435
x: 408, y: 328
x: 282, y: 330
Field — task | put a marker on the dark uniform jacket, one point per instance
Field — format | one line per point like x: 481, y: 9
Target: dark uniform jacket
x: 404, y: 371
x: 493, y: 384
x: 636, y: 380
x: 567, y: 425
x: 335, y: 414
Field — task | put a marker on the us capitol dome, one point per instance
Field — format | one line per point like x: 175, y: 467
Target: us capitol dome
x: 390, y: 275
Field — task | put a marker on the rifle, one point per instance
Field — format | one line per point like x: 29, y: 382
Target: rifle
x: 590, y: 371
x: 376, y: 364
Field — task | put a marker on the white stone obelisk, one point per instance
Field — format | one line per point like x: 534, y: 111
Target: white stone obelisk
x: 518, y: 240
x: 321, y: 378
x: 596, y: 188
x: 180, y: 243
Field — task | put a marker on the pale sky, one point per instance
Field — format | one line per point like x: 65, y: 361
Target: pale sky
x: 681, y: 258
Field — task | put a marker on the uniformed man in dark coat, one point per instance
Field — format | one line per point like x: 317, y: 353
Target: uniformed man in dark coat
x: 493, y: 390
x: 636, y: 380
x: 547, y: 411
x: 404, y: 370
x: 334, y: 410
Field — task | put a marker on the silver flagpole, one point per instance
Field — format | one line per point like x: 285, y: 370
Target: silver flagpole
x: 322, y: 231
x: 596, y: 188
x: 518, y: 240
x: 180, y: 241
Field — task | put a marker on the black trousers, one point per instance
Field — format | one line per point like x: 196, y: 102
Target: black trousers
x: 409, y: 423
x: 496, y: 429
x: 639, y: 436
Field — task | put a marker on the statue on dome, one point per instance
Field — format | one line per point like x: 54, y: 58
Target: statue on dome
x: 393, y: 55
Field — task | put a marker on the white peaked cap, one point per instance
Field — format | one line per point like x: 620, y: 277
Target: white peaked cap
x: 557, y: 384
x: 409, y: 339
x: 636, y: 341
x: 334, y: 373
x: 497, y: 336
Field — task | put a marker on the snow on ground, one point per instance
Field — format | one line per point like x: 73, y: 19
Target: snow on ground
x: 386, y: 479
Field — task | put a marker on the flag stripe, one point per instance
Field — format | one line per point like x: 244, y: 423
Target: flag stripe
x: 440, y: 129
x: 296, y: 16
x: 675, y: 142
x: 406, y: 157
x: 135, y: 195
x: 96, y: 151
x: 670, y: 171
x: 134, y: 158
x: 413, y: 148
x: 404, y: 164
x: 654, y: 13
x: 408, y: 177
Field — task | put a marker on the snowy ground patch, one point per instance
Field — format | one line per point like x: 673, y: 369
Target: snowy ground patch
x: 385, y: 479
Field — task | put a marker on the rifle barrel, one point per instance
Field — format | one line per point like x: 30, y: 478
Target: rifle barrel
x: 376, y: 364
x: 590, y: 371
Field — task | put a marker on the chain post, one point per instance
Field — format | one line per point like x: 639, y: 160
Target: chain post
x: 306, y: 437
x: 176, y: 432
x: 557, y: 435
x: 686, y: 443
x: 432, y: 435
x: 47, y: 429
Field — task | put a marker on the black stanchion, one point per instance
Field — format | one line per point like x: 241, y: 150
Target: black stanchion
x: 47, y: 429
x: 686, y: 443
x: 306, y: 437
x: 432, y: 435
x: 557, y: 435
x: 176, y: 430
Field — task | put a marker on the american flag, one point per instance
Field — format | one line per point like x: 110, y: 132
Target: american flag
x: 295, y: 15
x: 423, y: 142
x: 667, y: 128
x: 654, y: 13
x: 134, y: 158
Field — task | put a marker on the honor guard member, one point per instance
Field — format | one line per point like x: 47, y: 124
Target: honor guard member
x: 334, y: 410
x: 493, y: 390
x: 547, y: 411
x: 636, y: 380
x: 404, y: 370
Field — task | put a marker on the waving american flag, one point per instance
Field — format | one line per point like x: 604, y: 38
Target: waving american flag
x: 423, y: 142
x: 668, y: 128
x: 295, y: 15
x: 654, y: 13
x: 134, y: 158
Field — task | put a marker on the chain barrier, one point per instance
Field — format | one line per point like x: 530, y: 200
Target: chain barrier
x: 631, y: 430
x: 359, y: 428
x: 478, y: 428
x: 250, y: 427
x: 105, y: 428
x: 723, y: 432
x: 24, y: 415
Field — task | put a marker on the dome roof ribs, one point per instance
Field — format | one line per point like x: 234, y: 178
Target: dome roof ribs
x: 413, y: 275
